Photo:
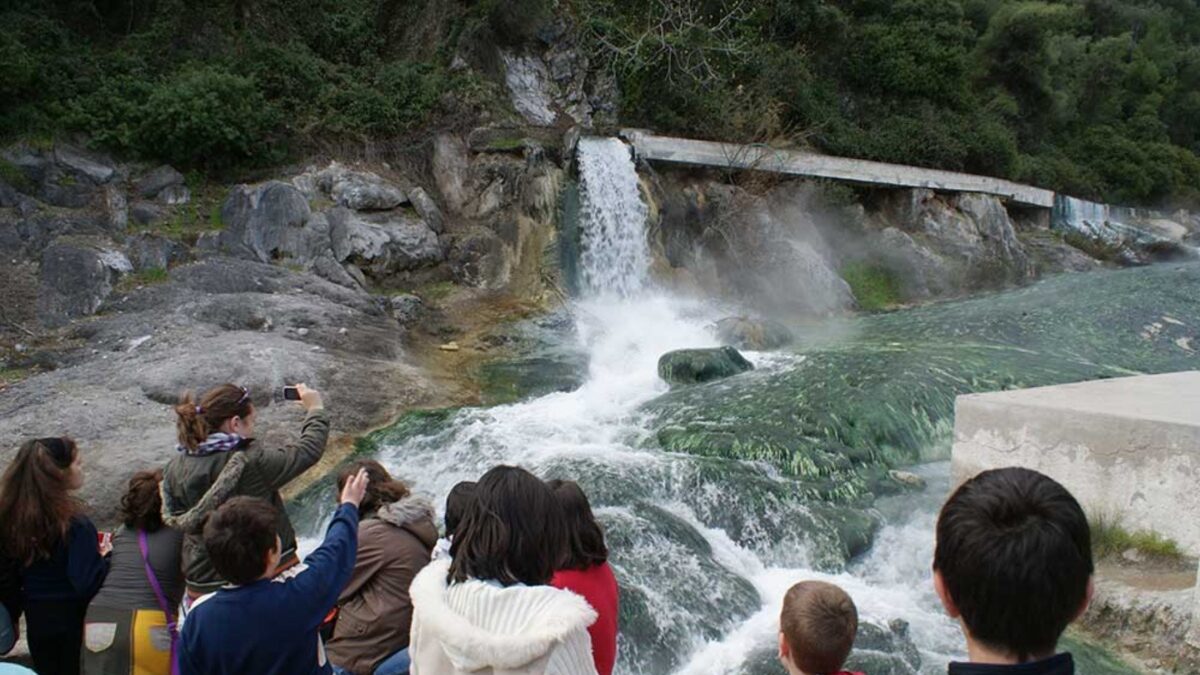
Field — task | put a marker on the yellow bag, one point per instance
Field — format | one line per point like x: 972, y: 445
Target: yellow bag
x: 122, y: 641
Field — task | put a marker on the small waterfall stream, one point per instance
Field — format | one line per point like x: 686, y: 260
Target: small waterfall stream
x: 704, y: 547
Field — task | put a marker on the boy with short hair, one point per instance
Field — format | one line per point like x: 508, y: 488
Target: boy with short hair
x: 816, y: 629
x: 257, y: 625
x: 1014, y: 564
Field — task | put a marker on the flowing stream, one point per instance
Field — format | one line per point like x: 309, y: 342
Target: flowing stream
x: 716, y: 498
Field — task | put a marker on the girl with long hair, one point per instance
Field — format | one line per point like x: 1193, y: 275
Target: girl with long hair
x: 586, y: 572
x: 44, y: 528
x: 129, y: 626
x: 490, y: 606
x: 396, y: 535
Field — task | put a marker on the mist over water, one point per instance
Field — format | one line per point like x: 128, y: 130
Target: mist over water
x: 703, y: 547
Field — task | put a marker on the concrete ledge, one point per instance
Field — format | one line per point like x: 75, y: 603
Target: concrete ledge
x: 1128, y: 447
x: 793, y: 162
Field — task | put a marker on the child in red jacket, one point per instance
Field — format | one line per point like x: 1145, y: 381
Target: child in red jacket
x: 816, y: 629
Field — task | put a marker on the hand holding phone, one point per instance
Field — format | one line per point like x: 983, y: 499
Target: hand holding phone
x: 309, y: 398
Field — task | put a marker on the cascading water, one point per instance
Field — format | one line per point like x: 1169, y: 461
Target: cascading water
x: 705, y: 541
x: 615, y: 257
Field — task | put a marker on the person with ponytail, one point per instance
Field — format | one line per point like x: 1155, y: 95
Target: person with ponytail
x: 130, y: 624
x: 217, y: 458
x: 43, y: 528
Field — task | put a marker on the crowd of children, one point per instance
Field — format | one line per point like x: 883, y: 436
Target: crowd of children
x: 203, y: 576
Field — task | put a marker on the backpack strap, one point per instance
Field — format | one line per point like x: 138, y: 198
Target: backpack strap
x: 163, y: 603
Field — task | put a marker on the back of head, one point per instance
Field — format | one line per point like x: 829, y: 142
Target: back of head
x: 36, y: 506
x: 381, y: 490
x: 512, y: 533
x: 239, y: 537
x: 1014, y: 554
x: 197, y: 419
x: 819, y: 622
x: 585, y: 538
x: 141, y: 505
x: 457, y: 502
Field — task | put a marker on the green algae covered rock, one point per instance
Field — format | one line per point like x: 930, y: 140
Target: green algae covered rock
x: 693, y: 366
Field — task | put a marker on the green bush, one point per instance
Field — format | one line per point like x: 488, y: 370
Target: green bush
x: 207, y: 117
x: 1110, y: 538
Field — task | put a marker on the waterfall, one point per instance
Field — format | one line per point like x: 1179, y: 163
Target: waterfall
x: 1112, y: 225
x: 615, y: 258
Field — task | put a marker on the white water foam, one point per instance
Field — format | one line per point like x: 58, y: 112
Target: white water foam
x: 624, y: 324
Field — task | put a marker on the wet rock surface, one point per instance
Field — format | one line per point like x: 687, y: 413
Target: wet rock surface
x: 695, y: 366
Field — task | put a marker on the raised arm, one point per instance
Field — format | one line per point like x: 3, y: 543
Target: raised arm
x: 280, y: 466
x: 317, y: 588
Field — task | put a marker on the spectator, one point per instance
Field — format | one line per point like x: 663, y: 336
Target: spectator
x: 10, y: 602
x: 1013, y: 564
x: 43, y: 527
x: 816, y: 629
x: 260, y: 625
x: 217, y: 459
x: 130, y: 625
x: 586, y: 571
x: 456, y: 505
x: 395, y: 537
x: 489, y: 607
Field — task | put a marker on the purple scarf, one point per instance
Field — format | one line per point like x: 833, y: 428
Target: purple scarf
x: 216, y: 442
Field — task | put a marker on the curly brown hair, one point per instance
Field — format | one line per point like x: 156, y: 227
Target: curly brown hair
x: 36, y: 505
x: 141, y: 505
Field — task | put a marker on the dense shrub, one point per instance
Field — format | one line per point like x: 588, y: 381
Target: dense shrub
x: 207, y: 117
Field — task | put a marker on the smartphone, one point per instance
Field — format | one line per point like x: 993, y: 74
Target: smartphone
x: 291, y: 394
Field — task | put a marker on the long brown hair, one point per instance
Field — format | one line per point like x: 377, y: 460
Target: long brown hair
x: 199, y: 419
x: 382, y: 489
x: 585, y: 537
x: 36, y: 505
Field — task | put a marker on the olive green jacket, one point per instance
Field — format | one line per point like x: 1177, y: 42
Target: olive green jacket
x: 194, y: 486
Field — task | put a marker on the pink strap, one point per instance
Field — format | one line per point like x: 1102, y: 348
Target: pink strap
x: 163, y: 604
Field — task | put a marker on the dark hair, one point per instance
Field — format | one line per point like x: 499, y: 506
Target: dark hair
x: 819, y: 622
x: 36, y: 505
x: 198, y: 420
x: 1014, y: 553
x: 238, y: 536
x: 381, y: 490
x: 457, y: 501
x: 141, y: 505
x: 585, y: 538
x: 513, y: 533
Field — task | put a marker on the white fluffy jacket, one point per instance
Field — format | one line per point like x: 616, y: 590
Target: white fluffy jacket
x: 478, y: 628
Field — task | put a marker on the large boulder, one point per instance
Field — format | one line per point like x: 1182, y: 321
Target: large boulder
x: 151, y: 251
x: 158, y: 179
x: 258, y: 218
x: 77, y: 274
x: 755, y: 334
x: 382, y: 245
x: 359, y: 190
x: 693, y: 366
x: 427, y: 209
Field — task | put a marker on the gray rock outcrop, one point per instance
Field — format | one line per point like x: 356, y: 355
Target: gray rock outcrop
x: 359, y: 190
x: 258, y: 218
x: 382, y: 245
x: 77, y: 274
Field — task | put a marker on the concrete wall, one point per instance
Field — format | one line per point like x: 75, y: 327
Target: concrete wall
x: 793, y: 162
x: 1128, y: 447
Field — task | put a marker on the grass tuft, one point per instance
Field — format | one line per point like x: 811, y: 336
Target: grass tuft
x: 1110, y: 538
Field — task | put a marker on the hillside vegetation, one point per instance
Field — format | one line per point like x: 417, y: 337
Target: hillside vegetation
x: 1097, y: 98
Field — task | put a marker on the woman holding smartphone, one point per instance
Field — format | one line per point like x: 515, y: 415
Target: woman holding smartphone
x: 217, y: 458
